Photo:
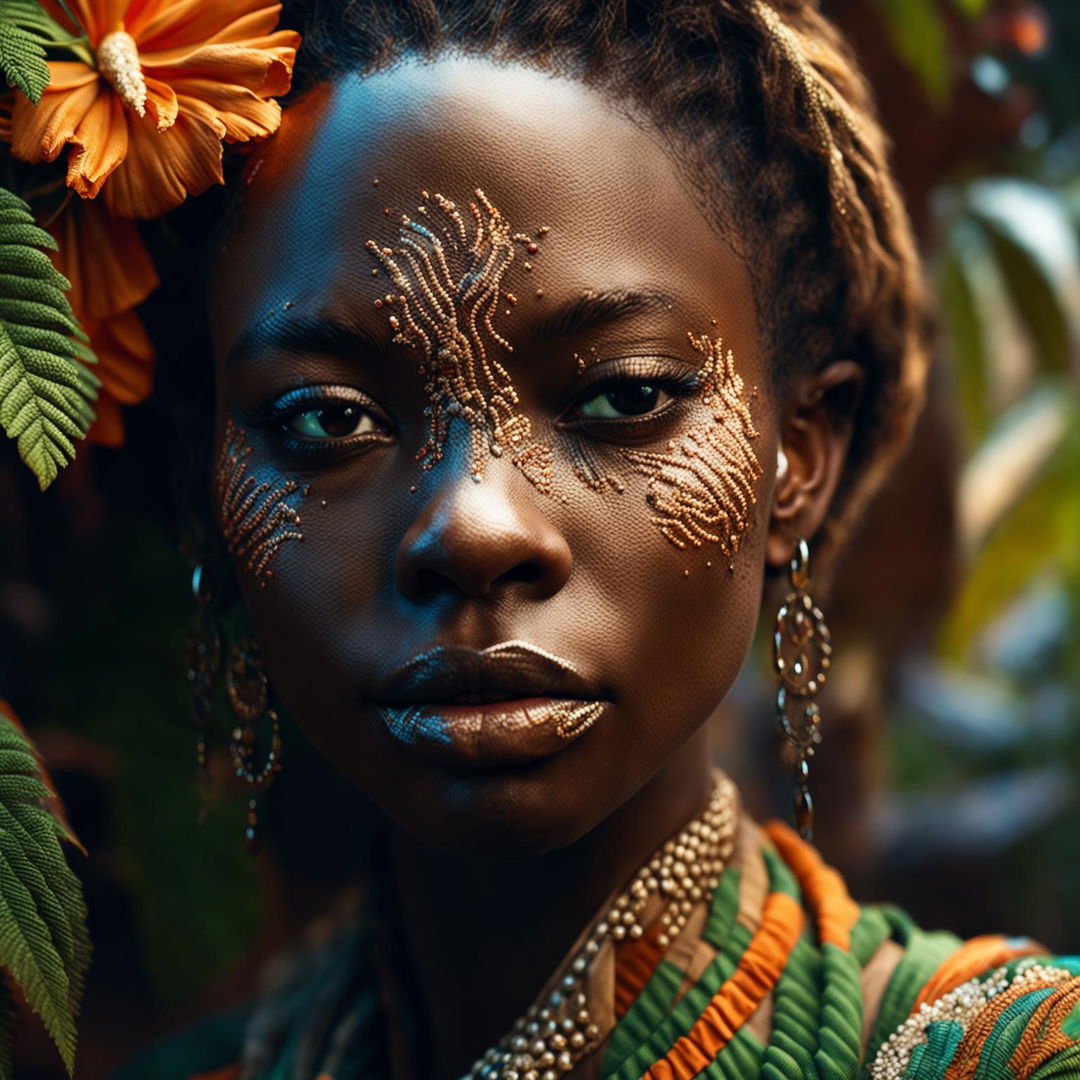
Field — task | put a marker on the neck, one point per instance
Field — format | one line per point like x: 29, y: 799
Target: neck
x: 484, y: 934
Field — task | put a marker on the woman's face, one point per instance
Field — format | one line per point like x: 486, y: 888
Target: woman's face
x: 495, y: 447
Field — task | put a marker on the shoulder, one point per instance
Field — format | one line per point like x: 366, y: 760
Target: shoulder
x: 995, y: 1008
x: 934, y: 1007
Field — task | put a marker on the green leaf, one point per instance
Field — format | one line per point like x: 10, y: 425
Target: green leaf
x: 964, y: 327
x: 919, y: 37
x: 44, y: 944
x: 25, y: 30
x: 1034, y: 241
x: 46, y: 388
x: 971, y: 8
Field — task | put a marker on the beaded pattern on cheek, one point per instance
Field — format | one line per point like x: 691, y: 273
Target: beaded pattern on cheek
x: 447, y: 313
x: 702, y: 489
x: 255, y: 517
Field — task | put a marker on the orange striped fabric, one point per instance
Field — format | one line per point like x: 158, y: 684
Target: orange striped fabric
x: 822, y: 887
x: 975, y: 957
x: 1044, y: 1037
x: 735, y: 1002
x: 635, y: 962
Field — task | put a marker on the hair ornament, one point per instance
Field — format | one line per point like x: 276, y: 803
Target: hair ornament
x: 125, y: 105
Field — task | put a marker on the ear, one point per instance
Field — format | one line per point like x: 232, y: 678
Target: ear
x: 815, y: 432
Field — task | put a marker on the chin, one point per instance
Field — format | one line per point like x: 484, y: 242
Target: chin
x: 492, y: 812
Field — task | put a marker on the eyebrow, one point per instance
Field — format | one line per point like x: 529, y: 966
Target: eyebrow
x: 594, y: 308
x: 326, y: 334
x: 302, y: 333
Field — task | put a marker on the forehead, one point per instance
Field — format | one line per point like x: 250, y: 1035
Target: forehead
x: 354, y: 156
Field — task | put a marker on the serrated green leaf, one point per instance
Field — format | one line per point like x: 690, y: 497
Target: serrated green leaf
x: 46, y: 388
x: 22, y: 61
x: 43, y: 940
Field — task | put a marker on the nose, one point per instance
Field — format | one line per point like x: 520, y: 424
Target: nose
x: 477, y: 539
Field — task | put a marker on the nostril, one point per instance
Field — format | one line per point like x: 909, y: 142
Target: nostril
x: 527, y: 571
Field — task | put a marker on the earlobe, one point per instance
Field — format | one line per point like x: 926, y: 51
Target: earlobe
x: 815, y: 433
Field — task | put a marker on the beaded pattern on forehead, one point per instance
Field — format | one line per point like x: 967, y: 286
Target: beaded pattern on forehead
x: 255, y: 517
x: 447, y: 312
x: 702, y: 488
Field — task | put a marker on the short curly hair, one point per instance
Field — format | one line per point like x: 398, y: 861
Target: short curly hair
x: 766, y: 106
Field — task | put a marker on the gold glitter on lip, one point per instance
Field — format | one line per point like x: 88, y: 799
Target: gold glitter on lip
x: 702, y: 490
x: 450, y: 280
x: 255, y: 518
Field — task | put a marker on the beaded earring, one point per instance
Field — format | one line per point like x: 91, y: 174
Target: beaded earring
x: 800, y: 628
x: 249, y: 695
x: 248, y: 690
x: 203, y: 655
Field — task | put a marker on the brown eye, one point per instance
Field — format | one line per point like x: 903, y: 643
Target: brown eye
x: 333, y: 422
x: 627, y: 398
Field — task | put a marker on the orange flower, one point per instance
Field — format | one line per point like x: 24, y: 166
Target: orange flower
x: 172, y: 78
x: 110, y: 272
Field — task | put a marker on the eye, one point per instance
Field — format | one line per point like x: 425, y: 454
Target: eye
x: 333, y: 420
x: 627, y: 397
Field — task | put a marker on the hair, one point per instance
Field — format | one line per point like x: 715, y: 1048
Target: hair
x: 766, y: 107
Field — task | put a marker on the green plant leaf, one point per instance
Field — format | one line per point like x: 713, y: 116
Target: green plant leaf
x: 46, y: 387
x: 1034, y: 242
x: 25, y: 30
x: 44, y: 944
x: 964, y: 327
x: 918, y: 34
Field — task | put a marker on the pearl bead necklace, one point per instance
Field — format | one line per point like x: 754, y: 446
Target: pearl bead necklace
x: 551, y: 1038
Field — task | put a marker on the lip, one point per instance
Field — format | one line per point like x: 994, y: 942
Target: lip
x: 432, y: 704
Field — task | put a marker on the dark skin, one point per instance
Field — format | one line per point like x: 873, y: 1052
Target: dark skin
x: 499, y: 868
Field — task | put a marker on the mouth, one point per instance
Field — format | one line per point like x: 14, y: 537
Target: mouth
x: 509, y: 704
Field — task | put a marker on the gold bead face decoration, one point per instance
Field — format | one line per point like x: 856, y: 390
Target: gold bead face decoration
x: 255, y: 518
x: 702, y: 489
x: 448, y: 273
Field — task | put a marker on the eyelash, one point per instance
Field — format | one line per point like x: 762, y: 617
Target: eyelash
x: 274, y: 415
x: 678, y: 386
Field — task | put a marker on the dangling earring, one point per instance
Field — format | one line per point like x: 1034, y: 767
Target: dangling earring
x: 249, y: 695
x: 203, y: 656
x: 799, y: 627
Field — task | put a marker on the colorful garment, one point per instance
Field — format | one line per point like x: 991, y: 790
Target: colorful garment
x: 778, y: 975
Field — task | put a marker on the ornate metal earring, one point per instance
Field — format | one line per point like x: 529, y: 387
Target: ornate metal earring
x: 203, y: 655
x: 800, y: 629
x: 249, y: 695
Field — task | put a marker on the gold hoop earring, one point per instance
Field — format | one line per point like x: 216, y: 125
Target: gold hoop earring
x: 203, y: 656
x: 248, y: 690
x: 800, y: 626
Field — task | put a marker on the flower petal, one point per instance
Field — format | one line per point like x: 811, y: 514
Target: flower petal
x: 104, y: 259
x: 236, y: 114
x: 40, y: 132
x: 166, y: 24
x: 161, y: 103
x: 126, y: 369
x: 162, y: 168
x: 264, y: 64
x: 98, y: 145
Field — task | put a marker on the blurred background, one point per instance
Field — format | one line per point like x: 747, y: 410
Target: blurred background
x: 949, y: 776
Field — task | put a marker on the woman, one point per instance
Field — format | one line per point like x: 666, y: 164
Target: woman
x: 545, y: 335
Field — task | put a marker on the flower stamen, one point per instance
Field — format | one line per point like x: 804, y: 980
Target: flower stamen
x: 118, y: 64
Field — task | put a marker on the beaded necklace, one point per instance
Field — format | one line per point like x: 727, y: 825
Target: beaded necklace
x: 557, y: 1032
